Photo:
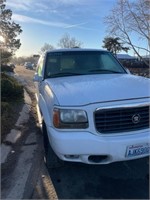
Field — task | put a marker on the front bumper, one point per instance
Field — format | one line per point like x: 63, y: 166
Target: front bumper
x: 81, y: 146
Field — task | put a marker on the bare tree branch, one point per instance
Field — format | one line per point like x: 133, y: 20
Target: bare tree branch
x: 130, y: 18
x: 137, y: 20
x: 68, y: 42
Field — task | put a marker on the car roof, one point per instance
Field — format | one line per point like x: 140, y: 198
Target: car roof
x: 74, y: 49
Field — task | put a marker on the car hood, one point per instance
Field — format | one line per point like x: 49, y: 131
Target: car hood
x: 87, y: 89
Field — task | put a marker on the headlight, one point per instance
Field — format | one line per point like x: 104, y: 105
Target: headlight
x: 70, y: 118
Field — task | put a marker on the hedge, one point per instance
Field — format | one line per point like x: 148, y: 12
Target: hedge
x: 10, y: 89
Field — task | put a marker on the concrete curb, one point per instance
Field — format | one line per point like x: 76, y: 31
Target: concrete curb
x: 44, y: 187
x: 29, y: 174
x: 15, y: 134
x: 20, y: 173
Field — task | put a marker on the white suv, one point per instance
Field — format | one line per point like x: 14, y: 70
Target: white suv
x: 91, y: 109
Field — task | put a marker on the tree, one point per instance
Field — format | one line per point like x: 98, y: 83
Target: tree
x: 129, y: 19
x: 9, y: 31
x: 5, y: 57
x: 21, y: 60
x: 46, y: 47
x: 69, y: 42
x: 114, y: 45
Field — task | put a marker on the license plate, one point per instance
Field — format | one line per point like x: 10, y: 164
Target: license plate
x: 137, y: 150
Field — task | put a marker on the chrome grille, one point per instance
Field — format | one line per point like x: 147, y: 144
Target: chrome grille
x: 118, y: 120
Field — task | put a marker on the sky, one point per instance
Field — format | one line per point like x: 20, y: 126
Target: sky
x: 46, y: 21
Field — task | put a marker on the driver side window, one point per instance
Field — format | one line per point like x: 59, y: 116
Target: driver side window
x: 40, y: 66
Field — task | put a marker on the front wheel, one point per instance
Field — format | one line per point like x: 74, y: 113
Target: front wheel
x: 50, y: 158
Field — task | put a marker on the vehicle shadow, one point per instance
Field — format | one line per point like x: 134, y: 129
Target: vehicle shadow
x: 122, y: 180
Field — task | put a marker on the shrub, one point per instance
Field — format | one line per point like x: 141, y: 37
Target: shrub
x: 10, y: 89
x: 6, y: 118
x: 7, y: 68
x: 5, y: 107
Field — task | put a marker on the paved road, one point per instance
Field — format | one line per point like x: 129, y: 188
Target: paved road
x: 26, y: 76
x: 124, y: 180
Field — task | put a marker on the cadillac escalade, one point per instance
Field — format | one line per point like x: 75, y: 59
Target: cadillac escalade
x: 91, y: 109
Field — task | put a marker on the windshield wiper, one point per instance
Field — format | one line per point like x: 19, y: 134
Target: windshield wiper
x: 77, y: 74
x: 64, y: 74
x: 105, y: 70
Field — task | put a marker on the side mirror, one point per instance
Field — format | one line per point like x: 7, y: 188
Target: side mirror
x: 37, y: 78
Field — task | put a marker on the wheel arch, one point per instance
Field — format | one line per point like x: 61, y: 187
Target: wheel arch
x: 44, y: 111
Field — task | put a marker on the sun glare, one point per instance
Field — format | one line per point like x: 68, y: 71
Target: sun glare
x: 2, y: 39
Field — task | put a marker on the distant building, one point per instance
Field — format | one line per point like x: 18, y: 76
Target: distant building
x: 132, y: 61
x: 126, y: 57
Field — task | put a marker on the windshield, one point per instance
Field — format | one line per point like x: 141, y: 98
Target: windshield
x: 73, y: 63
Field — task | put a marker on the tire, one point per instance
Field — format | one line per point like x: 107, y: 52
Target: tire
x: 50, y: 158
